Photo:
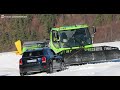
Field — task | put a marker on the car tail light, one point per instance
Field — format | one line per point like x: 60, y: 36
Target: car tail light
x: 43, y: 59
x: 20, y: 62
x: 44, y: 66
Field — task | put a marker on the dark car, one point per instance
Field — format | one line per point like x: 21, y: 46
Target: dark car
x: 43, y: 59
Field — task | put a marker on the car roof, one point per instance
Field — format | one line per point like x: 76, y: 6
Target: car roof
x: 33, y: 42
x: 70, y: 27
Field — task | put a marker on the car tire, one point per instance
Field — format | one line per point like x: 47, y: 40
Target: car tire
x: 50, y: 69
x: 22, y: 74
x: 62, y: 66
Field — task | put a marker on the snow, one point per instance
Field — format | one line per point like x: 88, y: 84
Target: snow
x: 113, y: 44
x: 9, y: 66
x: 101, y: 69
x: 9, y: 62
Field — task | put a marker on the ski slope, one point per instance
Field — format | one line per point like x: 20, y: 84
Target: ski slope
x: 9, y: 66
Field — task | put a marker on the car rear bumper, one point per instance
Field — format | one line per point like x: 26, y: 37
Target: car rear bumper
x: 30, y: 68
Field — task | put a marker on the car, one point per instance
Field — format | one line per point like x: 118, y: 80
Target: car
x: 42, y: 59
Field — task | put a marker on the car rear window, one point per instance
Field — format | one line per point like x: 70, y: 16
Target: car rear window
x: 33, y: 53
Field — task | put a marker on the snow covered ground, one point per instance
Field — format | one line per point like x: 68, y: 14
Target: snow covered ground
x: 9, y: 66
x: 9, y: 62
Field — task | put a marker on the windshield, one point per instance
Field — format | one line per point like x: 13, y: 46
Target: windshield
x: 75, y: 38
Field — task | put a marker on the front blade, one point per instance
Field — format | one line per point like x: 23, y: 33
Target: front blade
x: 92, y: 55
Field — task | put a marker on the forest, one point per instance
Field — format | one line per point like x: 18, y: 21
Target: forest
x: 36, y: 27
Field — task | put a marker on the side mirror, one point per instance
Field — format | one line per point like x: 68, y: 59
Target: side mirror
x: 94, y: 29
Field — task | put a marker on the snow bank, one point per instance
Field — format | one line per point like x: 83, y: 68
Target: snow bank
x: 113, y: 44
x: 9, y: 64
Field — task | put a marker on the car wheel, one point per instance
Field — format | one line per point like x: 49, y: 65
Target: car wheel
x: 22, y: 74
x: 50, y: 69
x: 62, y: 66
